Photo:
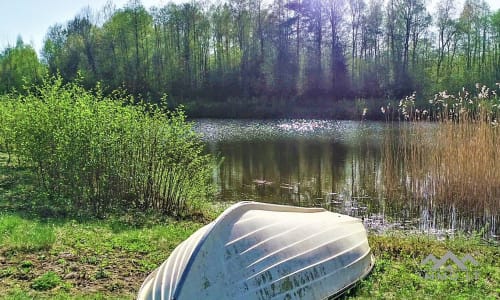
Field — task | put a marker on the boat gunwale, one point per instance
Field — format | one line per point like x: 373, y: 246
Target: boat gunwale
x: 352, y: 284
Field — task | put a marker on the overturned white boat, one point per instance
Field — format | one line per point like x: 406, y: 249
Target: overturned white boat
x: 265, y: 251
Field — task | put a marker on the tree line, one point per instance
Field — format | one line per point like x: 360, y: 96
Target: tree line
x: 286, y: 49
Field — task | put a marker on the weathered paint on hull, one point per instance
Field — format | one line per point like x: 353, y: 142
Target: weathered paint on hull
x: 264, y: 251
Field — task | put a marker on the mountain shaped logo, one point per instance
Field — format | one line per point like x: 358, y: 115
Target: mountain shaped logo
x: 449, y: 256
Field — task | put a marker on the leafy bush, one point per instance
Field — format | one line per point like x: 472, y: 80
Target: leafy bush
x: 6, y: 122
x: 96, y: 153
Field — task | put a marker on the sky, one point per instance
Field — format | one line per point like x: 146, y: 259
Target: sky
x: 31, y: 19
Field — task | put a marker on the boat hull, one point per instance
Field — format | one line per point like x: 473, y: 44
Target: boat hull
x: 264, y: 251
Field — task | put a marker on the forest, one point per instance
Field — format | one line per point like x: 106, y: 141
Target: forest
x: 292, y: 52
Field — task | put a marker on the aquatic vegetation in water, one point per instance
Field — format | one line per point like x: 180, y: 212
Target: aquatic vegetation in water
x: 453, y: 170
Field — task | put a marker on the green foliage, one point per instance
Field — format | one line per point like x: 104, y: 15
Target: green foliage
x: 98, y: 154
x: 46, y: 281
x: 19, y: 67
x: 6, y: 124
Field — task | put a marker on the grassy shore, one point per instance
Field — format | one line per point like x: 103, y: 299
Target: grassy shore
x: 399, y: 274
x: 48, y: 255
x: 64, y: 259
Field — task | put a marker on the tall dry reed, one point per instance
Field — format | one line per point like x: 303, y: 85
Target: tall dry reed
x: 451, y: 165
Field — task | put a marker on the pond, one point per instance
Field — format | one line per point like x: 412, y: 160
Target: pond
x: 337, y: 165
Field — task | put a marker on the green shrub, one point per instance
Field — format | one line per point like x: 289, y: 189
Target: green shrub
x: 6, y: 126
x: 98, y: 154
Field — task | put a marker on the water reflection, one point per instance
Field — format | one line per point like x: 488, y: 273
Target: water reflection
x: 333, y: 164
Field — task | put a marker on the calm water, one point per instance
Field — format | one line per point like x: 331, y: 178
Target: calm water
x: 332, y: 164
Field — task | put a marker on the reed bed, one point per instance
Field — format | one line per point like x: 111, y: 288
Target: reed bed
x: 450, y: 167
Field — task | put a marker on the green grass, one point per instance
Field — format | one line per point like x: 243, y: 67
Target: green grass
x: 398, y: 273
x: 20, y: 294
x: 108, y: 258
x: 18, y: 234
